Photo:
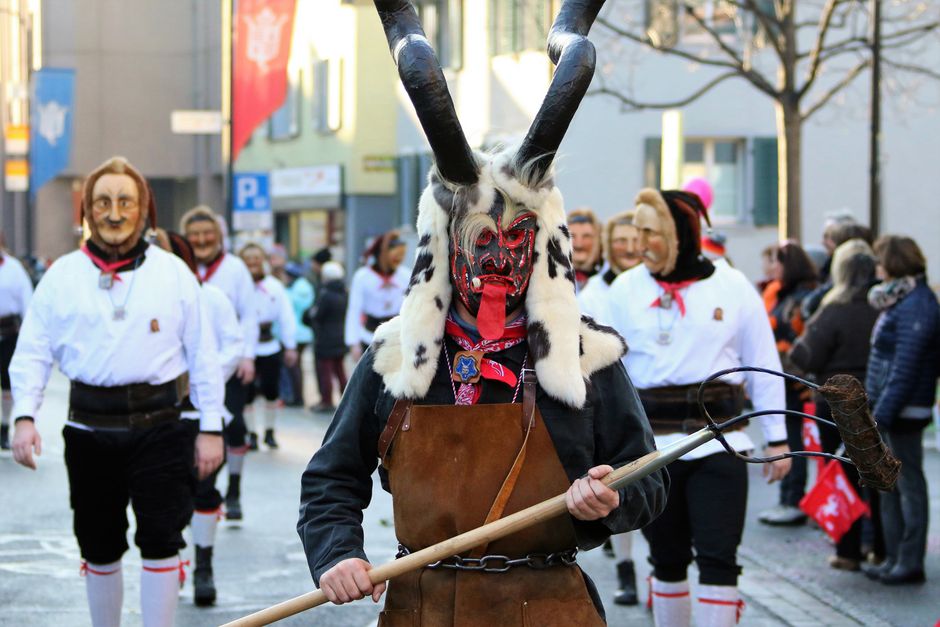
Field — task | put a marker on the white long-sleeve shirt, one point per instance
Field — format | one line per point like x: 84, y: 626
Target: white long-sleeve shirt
x: 371, y: 294
x: 233, y: 278
x: 16, y: 289
x: 272, y: 306
x: 164, y: 333
x: 724, y: 326
x: 593, y: 297
x: 228, y: 334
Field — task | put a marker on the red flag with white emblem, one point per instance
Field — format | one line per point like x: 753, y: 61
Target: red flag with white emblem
x: 811, y: 440
x: 833, y: 502
x: 262, y: 38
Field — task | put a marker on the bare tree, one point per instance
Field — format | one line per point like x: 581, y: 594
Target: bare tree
x: 801, y: 58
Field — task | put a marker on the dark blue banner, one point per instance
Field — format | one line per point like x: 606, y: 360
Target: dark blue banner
x: 51, y: 114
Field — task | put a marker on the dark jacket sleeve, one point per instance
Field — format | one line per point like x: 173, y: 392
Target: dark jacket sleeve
x: 622, y: 434
x: 812, y: 350
x: 916, y: 326
x: 337, y: 484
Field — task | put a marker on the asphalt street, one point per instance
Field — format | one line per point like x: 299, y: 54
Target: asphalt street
x: 260, y: 562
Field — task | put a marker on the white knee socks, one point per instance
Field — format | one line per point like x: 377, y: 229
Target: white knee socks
x: 203, y: 525
x: 159, y: 591
x: 235, y: 460
x: 623, y: 546
x: 104, y: 585
x: 270, y: 415
x: 6, y: 409
x: 717, y: 606
x: 671, y: 604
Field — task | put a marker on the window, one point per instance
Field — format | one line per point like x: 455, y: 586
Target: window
x: 517, y: 25
x: 718, y: 161
x: 443, y: 25
x: 667, y: 21
x: 285, y: 122
x: 327, y: 109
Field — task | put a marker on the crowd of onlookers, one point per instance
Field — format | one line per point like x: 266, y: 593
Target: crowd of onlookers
x: 864, y: 309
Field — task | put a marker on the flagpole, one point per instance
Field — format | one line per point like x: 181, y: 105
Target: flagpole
x: 228, y: 76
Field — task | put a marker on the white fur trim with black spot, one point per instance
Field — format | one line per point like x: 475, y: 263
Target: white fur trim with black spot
x: 407, y: 348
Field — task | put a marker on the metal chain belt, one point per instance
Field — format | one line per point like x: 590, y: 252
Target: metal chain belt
x: 500, y: 563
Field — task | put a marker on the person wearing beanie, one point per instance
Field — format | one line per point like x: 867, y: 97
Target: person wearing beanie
x: 133, y: 324
x: 203, y: 229
x: 316, y: 264
x: 301, y: 294
x: 586, y: 254
x: 684, y: 318
x: 328, y: 319
x: 229, y: 340
x: 376, y: 291
x: 277, y: 343
x: 622, y: 251
x: 489, y: 392
x: 16, y: 290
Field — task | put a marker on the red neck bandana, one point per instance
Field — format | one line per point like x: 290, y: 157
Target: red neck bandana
x: 513, y: 334
x: 107, y: 267
x: 671, y: 293
x: 204, y: 276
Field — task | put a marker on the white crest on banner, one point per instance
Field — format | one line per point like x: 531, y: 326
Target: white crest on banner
x: 264, y: 37
x: 52, y: 121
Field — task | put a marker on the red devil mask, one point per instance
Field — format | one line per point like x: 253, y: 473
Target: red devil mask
x: 491, y: 263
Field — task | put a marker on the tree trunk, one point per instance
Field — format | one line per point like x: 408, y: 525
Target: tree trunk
x: 789, y: 158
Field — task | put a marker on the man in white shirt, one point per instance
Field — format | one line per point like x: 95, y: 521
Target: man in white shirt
x: 203, y: 230
x: 133, y: 323
x: 586, y: 256
x: 16, y: 290
x: 376, y: 292
x: 683, y: 319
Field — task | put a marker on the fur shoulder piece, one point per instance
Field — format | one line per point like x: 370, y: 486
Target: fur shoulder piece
x: 600, y: 347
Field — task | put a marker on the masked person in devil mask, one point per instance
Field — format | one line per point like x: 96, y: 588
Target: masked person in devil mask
x: 685, y: 318
x: 133, y: 323
x: 487, y: 394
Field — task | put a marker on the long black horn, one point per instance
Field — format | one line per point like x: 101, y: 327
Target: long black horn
x: 423, y: 79
x: 572, y: 53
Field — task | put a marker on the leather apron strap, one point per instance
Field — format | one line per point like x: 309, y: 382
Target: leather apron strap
x: 399, y: 411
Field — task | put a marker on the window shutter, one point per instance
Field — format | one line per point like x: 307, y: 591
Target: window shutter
x: 652, y: 161
x: 765, y: 181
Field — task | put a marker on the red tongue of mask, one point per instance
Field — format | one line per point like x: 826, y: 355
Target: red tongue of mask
x: 491, y: 317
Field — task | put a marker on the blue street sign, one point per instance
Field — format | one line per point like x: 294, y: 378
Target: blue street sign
x: 251, y: 191
x: 51, y: 113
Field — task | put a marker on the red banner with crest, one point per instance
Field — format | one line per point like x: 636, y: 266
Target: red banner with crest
x: 262, y: 38
x: 833, y: 502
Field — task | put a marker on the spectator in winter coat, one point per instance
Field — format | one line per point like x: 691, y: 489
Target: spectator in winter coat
x: 835, y: 342
x: 793, y: 277
x: 300, y: 293
x: 901, y: 385
x: 328, y: 320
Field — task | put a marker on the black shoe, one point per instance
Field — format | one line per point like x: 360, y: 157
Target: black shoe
x: 608, y: 548
x: 269, y: 438
x: 203, y: 585
x: 233, y: 504
x: 876, y: 571
x: 5, y: 437
x: 252, y: 441
x: 898, y: 576
x: 626, y: 576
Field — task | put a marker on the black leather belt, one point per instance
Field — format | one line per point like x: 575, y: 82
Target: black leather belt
x: 265, y: 334
x: 675, y: 408
x: 10, y: 325
x: 372, y: 323
x: 133, y: 406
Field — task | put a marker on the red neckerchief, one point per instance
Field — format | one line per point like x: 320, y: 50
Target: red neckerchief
x: 515, y: 333
x: 211, y: 268
x: 673, y: 290
x: 107, y: 267
x: 388, y: 280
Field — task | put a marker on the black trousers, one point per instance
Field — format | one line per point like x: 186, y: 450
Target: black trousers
x: 905, y: 510
x: 7, y: 346
x: 704, y: 518
x: 235, y: 432
x: 152, y: 469
x: 267, y: 378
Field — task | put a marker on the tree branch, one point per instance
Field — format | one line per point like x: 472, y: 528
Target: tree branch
x: 671, y: 51
x: 634, y: 105
x: 850, y: 76
x: 770, y: 26
x: 914, y: 69
x: 825, y: 21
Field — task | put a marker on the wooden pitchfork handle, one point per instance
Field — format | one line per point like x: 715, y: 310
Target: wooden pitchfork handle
x: 555, y: 506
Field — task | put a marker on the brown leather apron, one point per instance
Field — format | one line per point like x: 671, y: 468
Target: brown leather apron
x: 446, y: 467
